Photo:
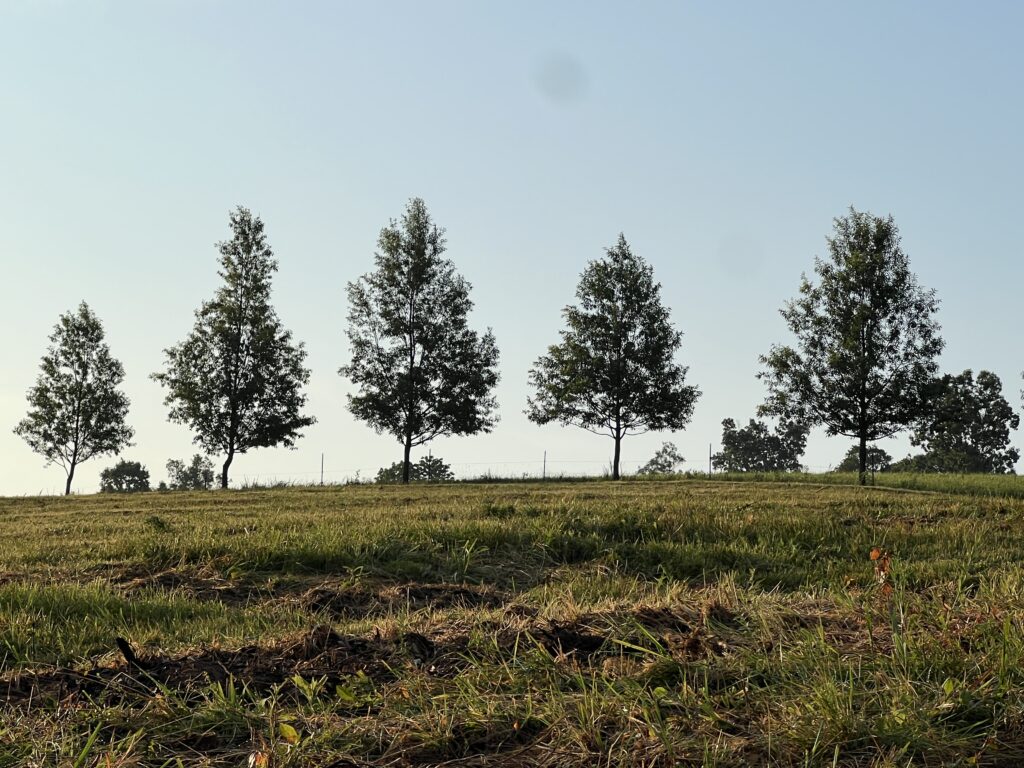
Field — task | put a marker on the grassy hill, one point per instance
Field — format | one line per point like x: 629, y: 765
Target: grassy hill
x: 635, y: 624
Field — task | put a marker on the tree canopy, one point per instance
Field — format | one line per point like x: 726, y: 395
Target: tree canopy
x: 197, y: 475
x: 236, y: 380
x: 663, y: 462
x: 967, y: 427
x: 420, y: 370
x: 614, y: 371
x: 754, y: 448
x: 431, y: 469
x: 878, y: 460
x: 866, y: 340
x: 124, y: 477
x: 76, y: 408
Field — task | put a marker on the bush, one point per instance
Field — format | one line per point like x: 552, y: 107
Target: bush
x: 878, y: 461
x: 664, y: 462
x: 427, y: 469
x: 197, y: 476
x: 124, y: 477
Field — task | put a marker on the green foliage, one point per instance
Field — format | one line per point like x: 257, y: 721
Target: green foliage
x: 754, y: 449
x: 76, y: 409
x: 614, y: 371
x: 124, y: 477
x: 866, y: 341
x: 236, y: 380
x: 878, y: 460
x: 664, y: 461
x: 420, y: 370
x: 967, y: 428
x: 197, y: 475
x: 427, y: 469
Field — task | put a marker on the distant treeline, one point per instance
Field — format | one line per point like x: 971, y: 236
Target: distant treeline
x: 862, y: 363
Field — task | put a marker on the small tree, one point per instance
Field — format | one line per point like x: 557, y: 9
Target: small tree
x: 428, y: 468
x: 198, y: 475
x: 754, y: 448
x: 614, y: 371
x: 124, y: 477
x: 420, y: 370
x: 76, y: 409
x: 967, y: 428
x: 866, y: 341
x: 237, y: 379
x: 664, y: 461
x: 878, y: 460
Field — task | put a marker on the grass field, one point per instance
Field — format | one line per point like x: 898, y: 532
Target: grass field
x: 588, y: 624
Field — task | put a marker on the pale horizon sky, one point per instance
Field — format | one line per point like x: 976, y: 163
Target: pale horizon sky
x: 720, y: 138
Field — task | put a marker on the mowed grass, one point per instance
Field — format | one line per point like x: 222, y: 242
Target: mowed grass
x: 562, y: 624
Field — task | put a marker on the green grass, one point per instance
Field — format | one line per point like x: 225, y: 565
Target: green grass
x: 677, y: 622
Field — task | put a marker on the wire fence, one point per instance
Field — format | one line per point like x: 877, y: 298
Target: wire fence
x: 518, y: 469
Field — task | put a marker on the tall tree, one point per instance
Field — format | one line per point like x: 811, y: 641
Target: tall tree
x: 967, y: 428
x: 614, y: 371
x: 76, y: 409
x: 754, y: 448
x: 421, y: 371
x: 237, y: 379
x: 866, y: 341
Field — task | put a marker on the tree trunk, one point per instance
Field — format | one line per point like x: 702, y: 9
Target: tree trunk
x: 71, y: 476
x: 224, y: 470
x: 862, y: 476
x: 406, y: 465
x: 618, y: 453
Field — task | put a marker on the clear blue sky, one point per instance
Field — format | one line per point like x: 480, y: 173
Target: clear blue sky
x: 721, y: 138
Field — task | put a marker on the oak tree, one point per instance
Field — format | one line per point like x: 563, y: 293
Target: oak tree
x: 879, y: 460
x: 866, y: 339
x: 76, y: 407
x: 967, y: 427
x: 614, y: 371
x: 236, y: 380
x: 755, y: 448
x: 124, y: 477
x: 420, y: 371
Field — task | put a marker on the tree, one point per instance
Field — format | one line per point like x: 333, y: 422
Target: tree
x: 76, y: 409
x: 124, y: 477
x: 878, y: 460
x: 967, y: 428
x: 614, y: 371
x: 237, y: 379
x: 428, y: 469
x: 754, y: 449
x: 866, y: 341
x: 916, y: 463
x: 664, y: 461
x: 195, y: 476
x: 420, y: 370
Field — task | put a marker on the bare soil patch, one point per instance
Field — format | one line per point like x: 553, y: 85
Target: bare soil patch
x: 323, y: 653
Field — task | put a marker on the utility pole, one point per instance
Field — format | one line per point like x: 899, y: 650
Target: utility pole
x: 544, y: 471
x: 709, y: 459
x: 321, y: 469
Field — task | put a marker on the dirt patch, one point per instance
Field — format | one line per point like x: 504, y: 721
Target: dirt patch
x: 319, y: 653
x: 358, y: 601
x: 443, y: 650
x: 199, y: 584
x: 440, y: 596
x: 341, y: 602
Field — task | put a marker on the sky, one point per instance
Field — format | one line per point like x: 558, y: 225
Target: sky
x: 721, y: 138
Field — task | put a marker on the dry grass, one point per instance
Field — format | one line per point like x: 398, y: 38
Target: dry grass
x: 633, y: 624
